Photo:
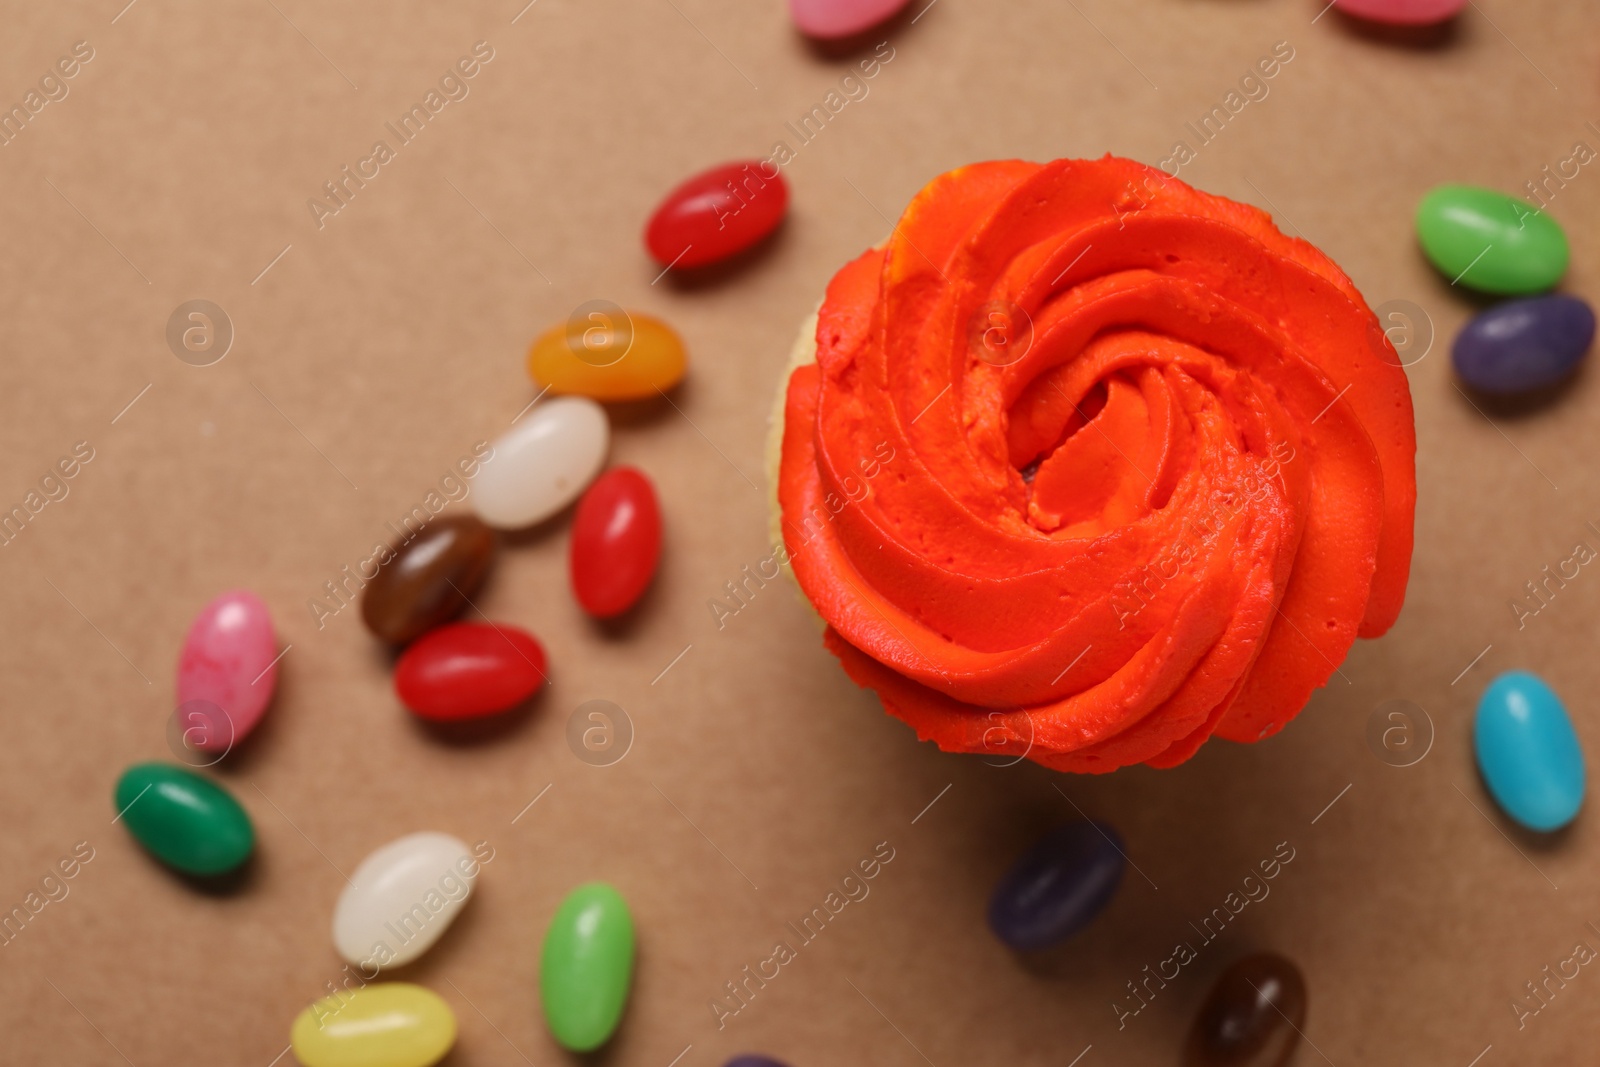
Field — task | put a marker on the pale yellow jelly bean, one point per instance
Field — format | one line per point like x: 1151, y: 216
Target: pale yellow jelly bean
x: 385, y: 1024
x: 608, y: 355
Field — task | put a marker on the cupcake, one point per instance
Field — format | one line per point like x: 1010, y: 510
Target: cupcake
x: 1083, y: 465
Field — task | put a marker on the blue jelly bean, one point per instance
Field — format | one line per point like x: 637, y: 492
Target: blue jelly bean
x: 1058, y: 886
x: 1524, y: 344
x: 1528, y: 752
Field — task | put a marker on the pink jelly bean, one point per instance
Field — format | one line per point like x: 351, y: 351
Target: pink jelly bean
x: 227, y: 671
x: 832, y: 19
x: 1403, y: 12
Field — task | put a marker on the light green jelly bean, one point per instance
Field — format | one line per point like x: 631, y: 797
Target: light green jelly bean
x: 1490, y: 241
x: 587, y: 967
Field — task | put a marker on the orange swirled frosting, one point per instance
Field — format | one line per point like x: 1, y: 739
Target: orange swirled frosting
x: 1167, y: 512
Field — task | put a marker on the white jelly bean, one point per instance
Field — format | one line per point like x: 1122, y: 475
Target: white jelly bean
x: 542, y: 463
x: 402, y: 899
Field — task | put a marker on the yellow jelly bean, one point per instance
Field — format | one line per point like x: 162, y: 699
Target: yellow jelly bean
x: 608, y: 354
x: 387, y: 1024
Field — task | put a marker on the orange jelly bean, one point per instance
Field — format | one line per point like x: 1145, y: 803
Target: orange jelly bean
x: 608, y: 355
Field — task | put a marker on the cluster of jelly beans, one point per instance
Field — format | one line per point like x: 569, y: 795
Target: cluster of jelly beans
x: 405, y: 895
x: 1255, y: 1010
x: 1497, y: 244
x: 1526, y: 748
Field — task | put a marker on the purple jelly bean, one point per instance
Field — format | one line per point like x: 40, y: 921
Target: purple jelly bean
x: 1058, y: 886
x: 1523, y: 345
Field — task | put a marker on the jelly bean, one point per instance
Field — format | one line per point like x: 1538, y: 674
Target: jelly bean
x: 1403, y: 12
x: 1058, y: 886
x: 1490, y: 241
x: 468, y: 669
x: 543, y: 463
x: 1524, y: 344
x: 1252, y: 1017
x: 402, y: 899
x: 428, y: 579
x: 717, y: 213
x: 185, y: 820
x: 227, y: 667
x: 586, y: 967
x: 384, y: 1024
x: 1528, y: 752
x: 754, y: 1061
x: 833, y: 19
x: 616, y: 541
x: 608, y: 357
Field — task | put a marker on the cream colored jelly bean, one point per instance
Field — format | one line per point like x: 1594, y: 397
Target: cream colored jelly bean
x: 387, y: 1024
x: 402, y: 899
x: 543, y: 462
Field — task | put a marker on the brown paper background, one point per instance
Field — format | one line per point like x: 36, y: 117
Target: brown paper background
x: 179, y: 166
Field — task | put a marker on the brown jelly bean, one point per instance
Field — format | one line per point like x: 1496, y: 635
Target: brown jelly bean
x: 428, y: 579
x: 1251, y: 1018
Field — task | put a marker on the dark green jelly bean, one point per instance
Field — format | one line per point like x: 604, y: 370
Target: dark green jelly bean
x: 185, y: 820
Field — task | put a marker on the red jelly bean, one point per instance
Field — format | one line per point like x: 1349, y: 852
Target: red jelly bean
x: 616, y: 542
x: 468, y: 669
x: 717, y: 213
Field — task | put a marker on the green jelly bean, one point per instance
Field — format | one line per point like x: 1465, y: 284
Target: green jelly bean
x: 1490, y: 241
x: 587, y: 966
x: 186, y: 821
